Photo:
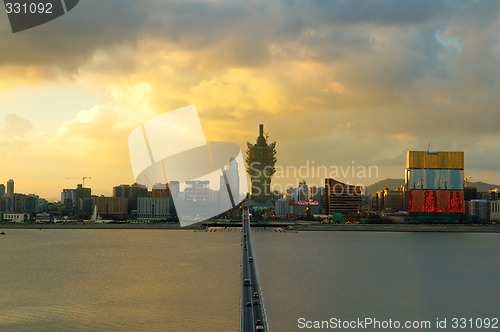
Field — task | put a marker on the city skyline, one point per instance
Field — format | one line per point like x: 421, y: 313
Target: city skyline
x: 337, y: 83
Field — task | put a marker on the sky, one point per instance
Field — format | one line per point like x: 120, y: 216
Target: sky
x: 345, y: 85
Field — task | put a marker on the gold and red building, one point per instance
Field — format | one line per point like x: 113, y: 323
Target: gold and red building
x: 434, y: 182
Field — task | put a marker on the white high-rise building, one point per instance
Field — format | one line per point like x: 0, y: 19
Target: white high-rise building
x: 233, y: 180
x: 233, y: 177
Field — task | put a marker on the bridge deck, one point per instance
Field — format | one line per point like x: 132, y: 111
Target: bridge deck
x: 252, y: 302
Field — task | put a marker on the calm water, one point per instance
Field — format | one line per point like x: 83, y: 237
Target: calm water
x: 119, y: 280
x: 167, y: 280
x: 398, y: 276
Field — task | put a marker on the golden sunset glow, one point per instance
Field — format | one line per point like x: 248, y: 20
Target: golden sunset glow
x: 330, y: 87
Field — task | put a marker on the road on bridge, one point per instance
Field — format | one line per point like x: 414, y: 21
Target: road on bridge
x: 253, y: 317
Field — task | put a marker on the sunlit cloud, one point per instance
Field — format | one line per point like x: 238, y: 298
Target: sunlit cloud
x: 332, y: 81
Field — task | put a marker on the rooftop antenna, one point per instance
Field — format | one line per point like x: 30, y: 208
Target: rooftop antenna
x: 428, y: 147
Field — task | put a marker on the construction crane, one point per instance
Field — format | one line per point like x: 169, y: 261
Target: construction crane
x: 83, y: 179
x: 466, y: 180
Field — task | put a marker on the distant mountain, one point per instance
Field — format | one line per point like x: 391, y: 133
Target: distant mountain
x: 395, y: 183
x: 381, y: 185
x: 483, y: 187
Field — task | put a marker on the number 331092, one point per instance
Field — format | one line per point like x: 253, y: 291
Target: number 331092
x: 28, y: 8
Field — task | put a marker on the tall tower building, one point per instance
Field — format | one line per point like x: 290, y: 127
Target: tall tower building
x: 10, y: 195
x: 132, y: 193
x: 2, y: 190
x: 10, y: 187
x: 260, y: 166
x: 229, y: 181
x: 434, y: 183
x: 233, y: 177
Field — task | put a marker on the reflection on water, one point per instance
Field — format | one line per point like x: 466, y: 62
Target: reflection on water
x: 119, y: 280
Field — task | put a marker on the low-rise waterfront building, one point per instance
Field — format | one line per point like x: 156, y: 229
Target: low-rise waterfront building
x: 155, y: 208
x: 16, y: 217
x: 110, y: 206
x: 43, y: 218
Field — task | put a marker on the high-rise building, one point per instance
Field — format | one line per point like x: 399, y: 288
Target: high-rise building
x: 318, y: 195
x: 31, y: 204
x: 389, y: 200
x: 10, y: 196
x: 19, y: 203
x: 132, y: 193
x: 10, y: 187
x: 342, y: 197
x: 494, y: 195
x: 302, y: 192
x: 470, y: 193
x: 121, y: 190
x: 229, y: 182
x: 261, y: 158
x: 233, y: 177
x: 73, y: 199
x: 68, y: 197
x: 434, y: 183
x: 4, y: 200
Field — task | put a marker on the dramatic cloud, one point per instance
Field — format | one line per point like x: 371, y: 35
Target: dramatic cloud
x: 333, y: 81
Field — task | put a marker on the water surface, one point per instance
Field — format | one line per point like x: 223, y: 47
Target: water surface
x: 398, y: 276
x: 119, y: 280
x: 172, y: 280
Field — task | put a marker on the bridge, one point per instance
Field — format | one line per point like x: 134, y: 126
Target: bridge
x: 253, y: 313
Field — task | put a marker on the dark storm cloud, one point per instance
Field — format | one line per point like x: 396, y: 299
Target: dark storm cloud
x: 397, y: 61
x: 96, y: 24
x: 242, y: 29
x: 380, y: 11
x: 69, y: 40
